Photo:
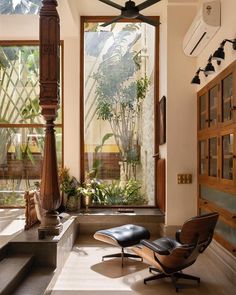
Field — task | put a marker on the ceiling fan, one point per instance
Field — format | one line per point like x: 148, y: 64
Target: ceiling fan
x: 130, y: 10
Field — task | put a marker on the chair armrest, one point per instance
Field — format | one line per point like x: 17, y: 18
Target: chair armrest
x: 154, y: 247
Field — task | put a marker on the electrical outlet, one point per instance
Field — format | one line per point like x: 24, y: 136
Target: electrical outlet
x: 184, y: 178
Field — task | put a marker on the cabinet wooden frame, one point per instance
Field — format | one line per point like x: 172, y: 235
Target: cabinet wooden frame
x: 218, y: 130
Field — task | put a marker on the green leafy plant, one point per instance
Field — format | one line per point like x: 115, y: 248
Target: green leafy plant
x: 120, y: 91
x: 97, y: 162
x: 113, y: 193
x: 68, y: 184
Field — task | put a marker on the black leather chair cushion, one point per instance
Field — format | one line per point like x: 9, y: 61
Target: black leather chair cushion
x: 162, y: 246
x: 127, y: 235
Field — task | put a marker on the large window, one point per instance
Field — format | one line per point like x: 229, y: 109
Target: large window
x: 20, y: 6
x: 118, y: 99
x: 21, y: 123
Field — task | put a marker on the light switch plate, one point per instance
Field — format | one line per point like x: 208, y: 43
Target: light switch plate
x: 184, y: 178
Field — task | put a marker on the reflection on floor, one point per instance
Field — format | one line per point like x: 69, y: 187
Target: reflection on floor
x: 85, y: 273
x: 12, y: 221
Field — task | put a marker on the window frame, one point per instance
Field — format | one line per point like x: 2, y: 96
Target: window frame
x: 94, y: 19
x: 9, y: 43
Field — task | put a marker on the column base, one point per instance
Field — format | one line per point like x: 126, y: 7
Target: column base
x: 50, y: 225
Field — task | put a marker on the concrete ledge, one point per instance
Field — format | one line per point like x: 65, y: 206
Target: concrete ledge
x: 52, y: 251
x: 98, y: 219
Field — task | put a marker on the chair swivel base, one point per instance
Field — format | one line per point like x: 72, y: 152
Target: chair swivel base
x: 174, y: 277
x: 122, y: 254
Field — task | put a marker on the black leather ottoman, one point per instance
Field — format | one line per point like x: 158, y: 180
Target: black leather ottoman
x: 122, y: 236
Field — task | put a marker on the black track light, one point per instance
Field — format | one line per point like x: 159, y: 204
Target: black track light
x: 219, y: 54
x: 196, y: 79
x: 209, y: 69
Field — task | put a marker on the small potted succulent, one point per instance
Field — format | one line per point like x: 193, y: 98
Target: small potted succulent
x: 69, y: 185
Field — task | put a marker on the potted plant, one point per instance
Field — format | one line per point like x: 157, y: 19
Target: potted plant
x: 70, y: 187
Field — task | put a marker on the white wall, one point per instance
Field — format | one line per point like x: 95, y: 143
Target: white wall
x: 226, y: 31
x: 181, y: 118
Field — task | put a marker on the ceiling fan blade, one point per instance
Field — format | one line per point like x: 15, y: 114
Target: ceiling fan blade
x: 148, y: 20
x: 112, y: 21
x: 112, y: 4
x: 146, y: 4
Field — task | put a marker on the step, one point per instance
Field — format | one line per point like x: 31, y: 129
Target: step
x: 36, y: 282
x: 96, y: 219
x: 13, y: 269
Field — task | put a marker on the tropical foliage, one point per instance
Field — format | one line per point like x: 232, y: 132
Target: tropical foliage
x: 120, y: 90
x: 20, y: 6
x: 109, y: 194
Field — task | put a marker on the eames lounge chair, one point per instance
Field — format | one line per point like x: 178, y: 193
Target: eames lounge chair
x: 169, y: 257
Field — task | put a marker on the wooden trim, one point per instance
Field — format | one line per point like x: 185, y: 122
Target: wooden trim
x: 18, y: 42
x: 157, y: 189
x: 156, y: 90
x: 83, y: 19
x: 26, y: 125
x: 62, y: 101
x: 105, y: 18
x: 225, y: 215
x: 61, y: 125
x: 217, y: 184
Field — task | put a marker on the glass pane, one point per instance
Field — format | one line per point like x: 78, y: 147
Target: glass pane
x: 227, y: 98
x: 227, y: 156
x: 224, y: 230
x: 203, y: 159
x: 19, y: 86
x: 21, y: 154
x: 213, y: 156
x: 202, y: 110
x: 20, y: 6
x: 213, y: 106
x: 227, y: 232
x: 224, y: 200
x: 119, y: 112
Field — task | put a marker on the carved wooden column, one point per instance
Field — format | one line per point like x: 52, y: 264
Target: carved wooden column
x: 49, y: 101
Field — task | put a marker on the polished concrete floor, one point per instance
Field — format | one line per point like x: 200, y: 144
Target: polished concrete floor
x: 12, y: 222
x: 84, y: 273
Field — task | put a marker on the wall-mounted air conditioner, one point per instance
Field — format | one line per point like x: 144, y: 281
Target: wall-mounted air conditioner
x: 205, y: 25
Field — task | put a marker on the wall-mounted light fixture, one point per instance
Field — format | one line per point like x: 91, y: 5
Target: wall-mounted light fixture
x: 219, y: 54
x: 209, y: 69
x: 196, y: 79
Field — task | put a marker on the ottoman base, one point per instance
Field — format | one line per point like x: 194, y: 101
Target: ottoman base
x: 122, y: 254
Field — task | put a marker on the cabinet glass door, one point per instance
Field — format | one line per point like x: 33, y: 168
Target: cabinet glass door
x: 227, y: 156
x: 227, y: 98
x: 202, y: 112
x: 202, y: 157
x: 213, y: 156
x: 213, y: 105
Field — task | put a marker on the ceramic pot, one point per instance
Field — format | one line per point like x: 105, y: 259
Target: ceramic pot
x: 73, y: 203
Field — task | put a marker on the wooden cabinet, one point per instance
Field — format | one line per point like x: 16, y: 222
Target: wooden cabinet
x: 217, y: 153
